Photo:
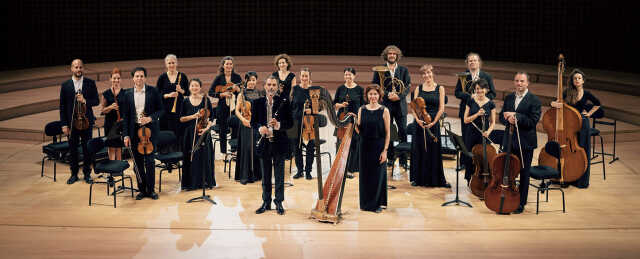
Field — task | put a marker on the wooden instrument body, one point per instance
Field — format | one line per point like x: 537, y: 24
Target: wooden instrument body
x: 419, y: 108
x: 341, y: 131
x: 145, y: 147
x: 246, y: 110
x: 483, y: 161
x: 80, y: 120
x: 498, y: 190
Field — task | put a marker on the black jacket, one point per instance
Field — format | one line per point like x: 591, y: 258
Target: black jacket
x: 68, y: 95
x: 152, y: 108
x: 464, y: 96
x: 527, y: 114
x: 283, y: 110
x: 402, y: 73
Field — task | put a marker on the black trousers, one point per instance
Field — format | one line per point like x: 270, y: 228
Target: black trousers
x: 272, y: 164
x: 80, y: 137
x: 401, y: 121
x: 226, y: 122
x: 524, y: 173
x: 310, y: 148
x: 146, y: 167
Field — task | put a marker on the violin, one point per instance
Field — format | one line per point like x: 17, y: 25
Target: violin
x: 483, y: 155
x: 308, y: 131
x: 502, y: 195
x: 145, y: 147
x: 562, y: 126
x: 80, y: 120
x: 205, y: 112
x: 420, y: 110
x: 343, y: 114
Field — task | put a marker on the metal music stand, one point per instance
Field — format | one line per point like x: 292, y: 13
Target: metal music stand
x: 462, y: 149
x: 199, y: 145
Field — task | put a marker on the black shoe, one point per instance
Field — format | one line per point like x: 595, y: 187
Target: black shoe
x: 308, y: 176
x: 279, y: 208
x: 243, y: 182
x: 87, y: 178
x: 72, y: 179
x: 153, y: 195
x: 140, y: 196
x: 265, y: 207
x: 413, y: 183
x: 447, y: 185
x: 378, y: 210
x: 519, y: 210
x: 298, y: 175
x: 350, y: 175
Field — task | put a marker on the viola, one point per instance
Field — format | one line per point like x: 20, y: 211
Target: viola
x: 80, y: 120
x: 205, y: 113
x: 420, y: 110
x: 502, y: 195
x: 145, y: 147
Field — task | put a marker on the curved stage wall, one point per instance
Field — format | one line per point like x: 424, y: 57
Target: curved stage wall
x: 46, y: 33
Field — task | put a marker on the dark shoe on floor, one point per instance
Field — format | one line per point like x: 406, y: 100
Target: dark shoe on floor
x: 519, y: 210
x: 87, y: 178
x: 279, y: 208
x: 378, y: 210
x: 243, y: 182
x: 72, y: 179
x: 447, y: 185
x: 298, y: 175
x: 153, y: 195
x: 350, y: 175
x: 140, y: 196
x: 414, y: 183
x: 308, y: 176
x: 265, y: 207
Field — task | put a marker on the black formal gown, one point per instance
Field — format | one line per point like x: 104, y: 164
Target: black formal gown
x: 286, y: 83
x: 298, y: 97
x: 587, y: 102
x: 248, y: 162
x: 373, y: 175
x: 111, y: 117
x: 426, y: 165
x: 473, y: 136
x: 202, y: 159
x: 171, y: 120
x: 356, y: 99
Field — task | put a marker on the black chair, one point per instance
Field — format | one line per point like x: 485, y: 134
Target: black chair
x: 231, y: 156
x: 402, y: 148
x: 111, y: 169
x: 593, y: 133
x: 169, y: 161
x: 55, y: 151
x: 543, y: 172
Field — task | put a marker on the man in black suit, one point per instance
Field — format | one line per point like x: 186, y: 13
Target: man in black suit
x: 464, y: 92
x: 143, y: 107
x: 522, y: 108
x: 271, y: 115
x: 395, y: 102
x: 76, y: 91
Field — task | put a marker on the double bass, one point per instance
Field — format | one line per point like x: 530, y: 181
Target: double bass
x: 562, y: 126
x: 502, y: 195
x: 483, y: 156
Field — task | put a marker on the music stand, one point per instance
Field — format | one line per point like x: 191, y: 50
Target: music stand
x: 199, y: 145
x: 462, y: 149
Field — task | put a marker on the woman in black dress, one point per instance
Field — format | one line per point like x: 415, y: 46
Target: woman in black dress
x: 299, y: 95
x: 247, y: 161
x: 588, y: 106
x: 426, y: 165
x: 198, y: 163
x: 286, y: 78
x: 224, y: 111
x: 173, y: 87
x: 349, y: 97
x: 373, y: 125
x: 477, y: 107
x: 110, y: 102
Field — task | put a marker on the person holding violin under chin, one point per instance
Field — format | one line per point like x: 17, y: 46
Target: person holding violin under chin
x: 588, y: 106
x: 142, y: 111
x: 479, y: 115
x: 427, y: 106
x: 195, y: 121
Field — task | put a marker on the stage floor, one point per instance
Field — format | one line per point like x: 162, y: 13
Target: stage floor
x: 46, y: 219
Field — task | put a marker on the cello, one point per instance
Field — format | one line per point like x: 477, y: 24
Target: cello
x: 483, y: 156
x: 502, y: 195
x: 562, y: 126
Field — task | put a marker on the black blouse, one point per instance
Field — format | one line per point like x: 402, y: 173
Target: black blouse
x: 286, y: 89
x: 298, y: 97
x: 586, y: 103
x: 165, y: 86
x: 356, y: 97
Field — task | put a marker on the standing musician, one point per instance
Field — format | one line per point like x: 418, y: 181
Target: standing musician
x: 226, y: 74
x: 587, y: 105
x: 395, y: 102
x: 286, y: 78
x: 173, y: 87
x: 271, y: 116
x: 110, y: 103
x: 349, y: 97
x: 426, y: 154
x: 522, y: 109
x: 479, y: 106
x: 300, y: 96
x: 143, y: 107
x: 78, y: 91
x: 465, y: 92
x: 193, y: 164
x: 247, y: 162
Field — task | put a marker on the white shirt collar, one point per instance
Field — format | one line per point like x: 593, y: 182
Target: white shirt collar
x: 135, y: 90
x: 523, y: 95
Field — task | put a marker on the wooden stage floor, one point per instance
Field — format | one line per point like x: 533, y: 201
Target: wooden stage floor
x: 45, y: 219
